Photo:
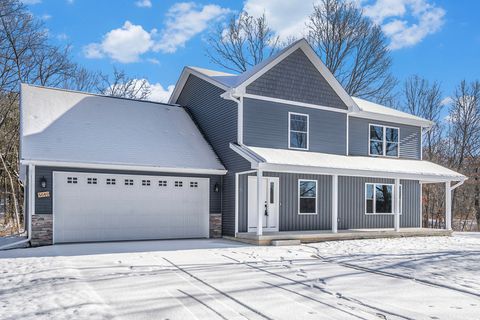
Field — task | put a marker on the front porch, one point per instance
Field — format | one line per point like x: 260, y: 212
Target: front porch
x: 326, y: 235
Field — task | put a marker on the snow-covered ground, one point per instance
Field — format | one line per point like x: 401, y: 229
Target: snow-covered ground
x: 409, y: 278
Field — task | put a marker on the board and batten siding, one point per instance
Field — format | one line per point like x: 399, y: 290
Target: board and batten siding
x: 217, y: 120
x: 265, y: 124
x: 289, y: 219
x: 295, y: 78
x: 351, y: 204
x: 410, y: 137
x: 44, y: 205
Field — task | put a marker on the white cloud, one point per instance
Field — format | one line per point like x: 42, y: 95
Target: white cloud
x: 124, y: 44
x: 153, y: 61
x: 46, y: 17
x: 160, y: 94
x: 70, y: 1
x: 144, y: 3
x: 184, y: 21
x: 286, y: 18
x: 446, y: 101
x: 31, y: 2
x: 406, y: 22
x: 62, y: 36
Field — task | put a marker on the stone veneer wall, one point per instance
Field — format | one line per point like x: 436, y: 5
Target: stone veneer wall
x: 42, y: 230
x: 215, y: 225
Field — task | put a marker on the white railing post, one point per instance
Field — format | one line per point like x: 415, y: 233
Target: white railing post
x: 448, y: 206
x: 260, y: 205
x: 335, y: 203
x: 396, y: 205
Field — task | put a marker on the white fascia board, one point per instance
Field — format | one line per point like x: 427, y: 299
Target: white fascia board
x: 106, y: 166
x: 394, y: 119
x: 183, y: 79
x: 313, y: 57
x: 248, y: 155
x: 270, y: 167
x: 293, y: 103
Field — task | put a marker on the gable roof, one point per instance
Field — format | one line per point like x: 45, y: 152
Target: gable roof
x: 236, y: 83
x: 239, y: 82
x: 377, y: 111
x: 74, y: 127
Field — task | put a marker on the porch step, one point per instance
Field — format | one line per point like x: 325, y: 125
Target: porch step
x: 289, y: 242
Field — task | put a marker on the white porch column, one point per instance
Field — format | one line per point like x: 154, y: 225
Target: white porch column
x: 448, y: 206
x: 260, y: 205
x: 334, y: 203
x: 396, y: 205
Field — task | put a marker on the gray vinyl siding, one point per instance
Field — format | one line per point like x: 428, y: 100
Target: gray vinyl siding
x: 410, y: 138
x: 44, y: 205
x: 351, y: 204
x: 351, y: 207
x: 296, y: 78
x: 217, y: 120
x: 265, y: 124
x: 289, y: 219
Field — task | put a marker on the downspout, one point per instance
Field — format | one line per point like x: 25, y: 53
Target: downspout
x: 31, y: 193
x: 230, y: 95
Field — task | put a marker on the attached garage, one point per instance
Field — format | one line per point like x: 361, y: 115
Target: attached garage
x: 110, y: 169
x: 106, y: 207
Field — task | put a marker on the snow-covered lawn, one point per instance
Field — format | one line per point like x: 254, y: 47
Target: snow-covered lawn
x: 409, y: 278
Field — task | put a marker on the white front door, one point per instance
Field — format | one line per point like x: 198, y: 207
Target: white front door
x: 269, y: 198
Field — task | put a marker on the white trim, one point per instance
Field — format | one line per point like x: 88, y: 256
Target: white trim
x: 322, y: 69
x: 237, y: 196
x: 389, y: 118
x: 271, y: 167
x: 384, y: 141
x: 396, y: 207
x: 316, y: 197
x: 421, y: 204
x: 293, y: 103
x: 259, y: 204
x: 448, y: 206
x: 240, y: 122
x: 93, y: 165
x: 53, y: 206
x: 308, y: 130
x: 183, y: 79
x: 347, y: 138
x: 374, y: 199
x: 334, y: 203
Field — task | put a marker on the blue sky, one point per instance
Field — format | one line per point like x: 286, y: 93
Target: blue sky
x: 154, y: 39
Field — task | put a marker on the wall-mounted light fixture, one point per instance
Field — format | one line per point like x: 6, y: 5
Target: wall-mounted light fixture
x: 216, y: 187
x: 43, y: 182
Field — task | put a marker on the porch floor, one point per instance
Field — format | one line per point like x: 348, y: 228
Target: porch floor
x: 327, y: 235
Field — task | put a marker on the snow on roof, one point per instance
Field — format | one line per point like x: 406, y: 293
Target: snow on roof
x: 375, y: 108
x: 67, y: 126
x: 369, y: 166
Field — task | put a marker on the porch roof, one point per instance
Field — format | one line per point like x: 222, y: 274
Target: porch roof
x: 282, y: 160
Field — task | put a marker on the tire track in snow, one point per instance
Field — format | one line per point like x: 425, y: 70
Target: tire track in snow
x: 393, y: 275
x: 353, y: 300
x: 218, y: 290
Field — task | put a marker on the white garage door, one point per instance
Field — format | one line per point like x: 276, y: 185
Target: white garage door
x: 105, y: 207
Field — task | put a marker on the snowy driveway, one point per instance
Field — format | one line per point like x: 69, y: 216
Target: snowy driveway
x: 411, y: 278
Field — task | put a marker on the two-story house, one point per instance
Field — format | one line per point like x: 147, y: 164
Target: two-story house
x: 279, y: 148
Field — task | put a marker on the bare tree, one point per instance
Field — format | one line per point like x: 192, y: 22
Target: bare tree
x: 27, y: 56
x: 121, y: 85
x: 424, y: 99
x: 243, y: 43
x: 353, y: 48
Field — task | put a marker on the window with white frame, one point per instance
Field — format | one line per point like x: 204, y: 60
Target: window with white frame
x: 307, y: 196
x: 383, y: 141
x: 298, y: 127
x: 379, y: 198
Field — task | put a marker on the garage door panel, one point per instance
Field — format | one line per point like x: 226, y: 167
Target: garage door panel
x: 101, y: 212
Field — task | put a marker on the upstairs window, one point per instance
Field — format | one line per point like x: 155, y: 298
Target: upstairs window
x: 383, y: 141
x: 298, y: 131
